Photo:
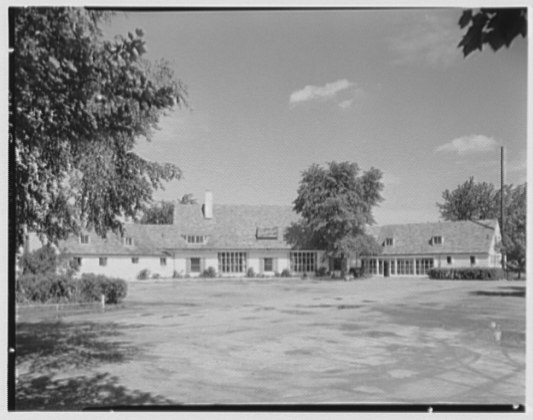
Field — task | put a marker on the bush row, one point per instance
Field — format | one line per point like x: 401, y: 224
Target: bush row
x: 60, y: 288
x: 466, y: 273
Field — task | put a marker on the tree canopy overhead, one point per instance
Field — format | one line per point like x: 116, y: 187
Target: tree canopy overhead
x: 335, y: 203
x: 78, y: 104
x: 495, y: 27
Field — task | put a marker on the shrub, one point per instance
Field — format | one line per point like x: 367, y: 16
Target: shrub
x: 177, y: 275
x: 144, y: 274
x: 277, y: 274
x: 250, y: 272
x: 44, y: 288
x: 286, y: 273
x: 92, y: 286
x: 156, y: 276
x: 210, y: 272
x: 304, y: 276
x: 40, y: 261
x: 466, y: 273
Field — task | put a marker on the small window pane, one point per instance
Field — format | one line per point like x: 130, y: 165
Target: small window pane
x: 269, y: 265
x: 195, y: 265
x: 163, y: 261
x: 135, y: 260
x: 102, y: 261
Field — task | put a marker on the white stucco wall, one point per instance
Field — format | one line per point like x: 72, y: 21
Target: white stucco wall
x: 123, y: 267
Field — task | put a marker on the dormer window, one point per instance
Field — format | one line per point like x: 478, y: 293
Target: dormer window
x: 388, y: 242
x: 266, y: 232
x: 436, y: 240
x: 128, y: 241
x: 84, y: 239
x: 195, y: 239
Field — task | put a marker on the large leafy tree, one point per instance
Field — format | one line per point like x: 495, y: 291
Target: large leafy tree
x: 160, y: 214
x: 493, y: 27
x: 335, y: 203
x: 480, y: 200
x: 470, y: 201
x: 78, y: 104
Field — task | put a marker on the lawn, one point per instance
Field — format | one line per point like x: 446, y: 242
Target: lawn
x: 281, y: 341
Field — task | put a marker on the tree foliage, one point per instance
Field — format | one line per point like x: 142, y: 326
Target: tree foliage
x: 188, y: 199
x: 160, y: 214
x: 470, y: 201
x: 480, y: 200
x: 495, y: 27
x: 78, y: 104
x: 336, y: 204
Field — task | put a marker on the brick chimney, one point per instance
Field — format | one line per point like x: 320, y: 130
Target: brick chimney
x: 208, y: 205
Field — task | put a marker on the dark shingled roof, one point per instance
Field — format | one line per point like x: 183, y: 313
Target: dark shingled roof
x: 232, y: 227
x: 457, y: 237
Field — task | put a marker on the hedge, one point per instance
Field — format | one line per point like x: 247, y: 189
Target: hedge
x: 466, y: 273
x: 60, y: 288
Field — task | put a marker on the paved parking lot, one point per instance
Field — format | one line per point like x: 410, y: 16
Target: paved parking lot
x: 282, y: 341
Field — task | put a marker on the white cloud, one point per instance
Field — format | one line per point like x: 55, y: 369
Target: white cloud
x: 469, y: 144
x: 431, y: 39
x: 346, y: 104
x: 325, y: 92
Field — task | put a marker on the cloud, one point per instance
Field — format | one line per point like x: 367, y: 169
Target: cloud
x: 469, y: 144
x: 326, y: 92
x: 346, y: 104
x: 431, y: 39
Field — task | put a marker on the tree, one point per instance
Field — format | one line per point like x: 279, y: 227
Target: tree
x: 495, y: 27
x: 335, y: 204
x: 477, y: 201
x: 515, y: 229
x: 160, y: 214
x: 188, y: 199
x: 470, y: 201
x: 78, y: 105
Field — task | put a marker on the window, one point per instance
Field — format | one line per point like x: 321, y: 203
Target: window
x: 303, y: 261
x: 423, y: 265
x: 194, y: 239
x: 371, y: 266
x: 128, y: 241
x: 268, y: 264
x: 195, y: 265
x: 389, y: 241
x: 380, y: 266
x: 404, y: 266
x: 448, y: 260
x: 232, y: 262
x: 163, y: 261
x: 266, y: 233
x: 392, y: 266
x: 102, y: 261
x: 84, y: 239
x: 436, y: 240
x: 472, y: 260
x: 135, y: 260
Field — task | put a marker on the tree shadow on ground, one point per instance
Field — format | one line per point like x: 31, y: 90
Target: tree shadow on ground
x: 78, y: 393
x: 57, y: 345
x: 513, y: 291
x: 45, y: 349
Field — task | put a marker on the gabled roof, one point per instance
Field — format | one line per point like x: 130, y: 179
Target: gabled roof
x: 457, y: 237
x: 231, y: 227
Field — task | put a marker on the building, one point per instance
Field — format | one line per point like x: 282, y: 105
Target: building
x: 235, y: 238
x: 230, y: 238
x: 412, y: 249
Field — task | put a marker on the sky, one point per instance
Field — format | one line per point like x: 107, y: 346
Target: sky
x: 272, y: 92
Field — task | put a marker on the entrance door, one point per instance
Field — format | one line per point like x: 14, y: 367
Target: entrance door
x: 386, y: 268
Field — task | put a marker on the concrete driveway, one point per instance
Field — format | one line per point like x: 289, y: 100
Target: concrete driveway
x: 283, y: 341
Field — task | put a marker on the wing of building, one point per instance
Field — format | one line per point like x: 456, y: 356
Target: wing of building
x: 412, y: 249
x: 234, y: 238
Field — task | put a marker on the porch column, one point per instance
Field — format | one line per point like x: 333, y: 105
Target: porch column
x: 395, y: 267
x: 414, y: 266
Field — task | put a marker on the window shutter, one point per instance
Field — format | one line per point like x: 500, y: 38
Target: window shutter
x: 202, y: 265
x: 261, y: 265
x: 275, y: 264
x: 188, y: 266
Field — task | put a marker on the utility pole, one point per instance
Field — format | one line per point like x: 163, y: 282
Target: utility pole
x: 502, y: 215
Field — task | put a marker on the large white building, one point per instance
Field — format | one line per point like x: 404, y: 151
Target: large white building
x: 234, y: 238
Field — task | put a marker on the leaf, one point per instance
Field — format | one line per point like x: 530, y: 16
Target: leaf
x: 465, y: 19
x: 54, y: 63
x: 139, y: 32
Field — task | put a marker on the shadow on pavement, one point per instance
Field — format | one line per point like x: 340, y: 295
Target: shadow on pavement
x: 514, y: 291
x: 44, y: 349
x: 78, y: 393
